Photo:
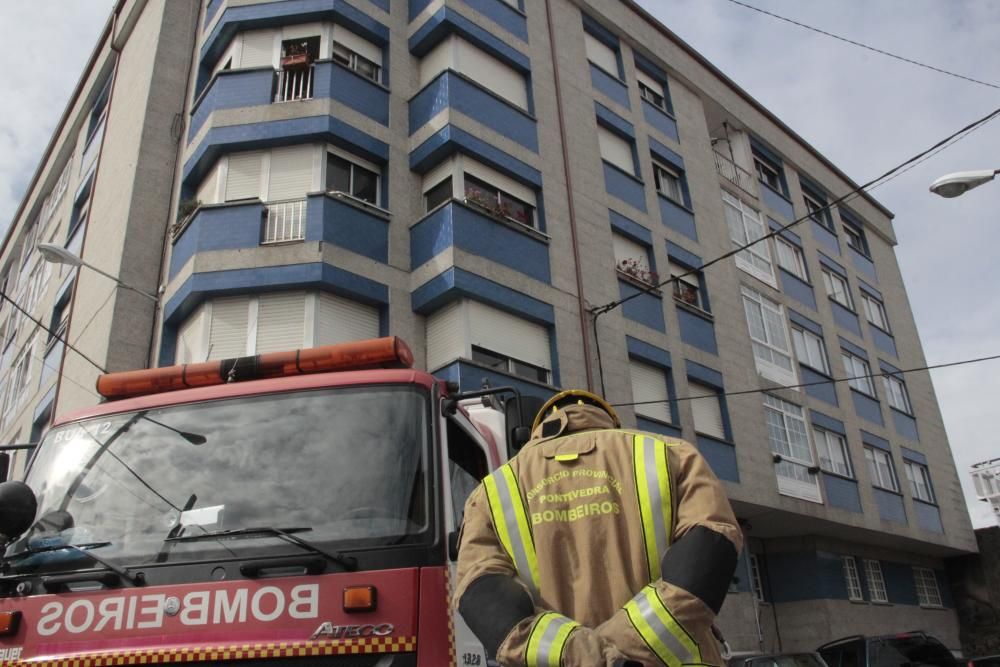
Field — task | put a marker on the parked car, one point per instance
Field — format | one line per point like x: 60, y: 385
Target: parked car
x: 984, y: 661
x: 776, y: 660
x: 905, y: 649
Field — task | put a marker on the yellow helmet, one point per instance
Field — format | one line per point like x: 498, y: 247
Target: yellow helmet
x: 574, y: 397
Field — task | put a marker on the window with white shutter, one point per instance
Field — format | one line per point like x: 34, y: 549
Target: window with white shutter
x: 280, y: 321
x: 707, y: 409
x: 339, y: 320
x: 601, y: 55
x: 447, y: 333
x: 258, y: 49
x: 191, y: 337
x: 291, y: 172
x: 243, y: 177
x: 650, y: 391
x: 499, y: 331
x: 494, y: 74
x: 227, y: 336
x: 615, y: 150
x: 632, y: 258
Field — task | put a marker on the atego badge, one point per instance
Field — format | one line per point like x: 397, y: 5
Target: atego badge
x: 331, y: 631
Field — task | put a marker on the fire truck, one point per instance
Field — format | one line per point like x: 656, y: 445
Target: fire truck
x: 293, y: 508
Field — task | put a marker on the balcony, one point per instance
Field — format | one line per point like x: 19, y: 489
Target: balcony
x: 284, y: 221
x: 735, y: 174
x: 295, y: 84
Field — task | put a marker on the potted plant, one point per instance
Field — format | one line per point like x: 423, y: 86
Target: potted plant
x: 296, y: 56
x: 634, y: 268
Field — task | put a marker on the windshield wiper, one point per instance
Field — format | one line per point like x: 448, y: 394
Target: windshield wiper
x: 137, y: 579
x: 347, y: 562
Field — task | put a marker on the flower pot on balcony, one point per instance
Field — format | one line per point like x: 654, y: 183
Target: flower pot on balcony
x: 295, y: 61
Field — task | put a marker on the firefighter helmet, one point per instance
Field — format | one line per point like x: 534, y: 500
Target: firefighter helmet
x: 574, y: 397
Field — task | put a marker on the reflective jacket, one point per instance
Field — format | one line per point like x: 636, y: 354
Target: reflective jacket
x: 583, y: 517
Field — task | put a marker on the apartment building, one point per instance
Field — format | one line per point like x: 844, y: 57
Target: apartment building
x: 476, y: 176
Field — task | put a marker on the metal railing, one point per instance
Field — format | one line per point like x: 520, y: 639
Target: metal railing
x: 284, y: 221
x: 294, y: 84
x: 734, y: 173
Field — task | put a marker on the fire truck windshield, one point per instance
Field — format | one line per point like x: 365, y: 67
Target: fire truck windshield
x: 346, y: 467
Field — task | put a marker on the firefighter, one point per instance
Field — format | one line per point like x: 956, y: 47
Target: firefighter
x: 597, y: 546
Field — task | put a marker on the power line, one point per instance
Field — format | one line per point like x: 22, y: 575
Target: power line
x: 52, y: 333
x: 865, y: 46
x: 600, y: 310
x: 764, y: 390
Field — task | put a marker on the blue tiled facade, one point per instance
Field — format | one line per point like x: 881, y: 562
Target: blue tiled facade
x: 357, y: 92
x: 677, y: 217
x: 818, y: 385
x: 842, y: 493
x: 890, y: 505
x: 883, y: 341
x: 777, y: 203
x: 928, y: 516
x: 867, y: 407
x: 825, y: 237
x: 510, y: 19
x: 845, y: 318
x: 231, y: 89
x: 332, y: 220
x: 863, y: 264
x: 660, y: 120
x: 798, y: 289
x: 624, y: 186
x: 697, y: 330
x: 610, y: 86
x: 645, y: 308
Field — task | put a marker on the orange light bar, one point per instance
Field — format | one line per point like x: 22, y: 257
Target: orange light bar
x: 9, y: 622
x: 360, y: 598
x: 388, y: 352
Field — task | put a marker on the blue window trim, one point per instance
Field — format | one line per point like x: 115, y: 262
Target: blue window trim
x: 819, y: 194
x: 714, y: 380
x: 762, y: 151
x: 914, y: 456
x: 446, y: 21
x: 856, y: 350
x: 833, y: 265
x: 804, y: 322
x: 672, y: 159
x: 875, y: 441
x: 851, y: 219
x: 636, y: 233
x: 614, y: 122
x: 786, y: 234
x: 865, y: 287
x: 828, y: 423
x: 609, y: 39
x: 691, y: 262
x: 647, y: 67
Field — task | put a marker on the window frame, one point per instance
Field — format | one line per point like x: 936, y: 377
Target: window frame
x: 832, y: 279
x: 501, y: 194
x: 793, y: 427
x: 919, y: 476
x: 818, y: 209
x: 749, y: 224
x: 793, y: 255
x: 666, y: 404
x: 891, y: 382
x: 805, y: 356
x: 780, y: 374
x: 674, y: 177
x: 874, y: 309
x: 763, y: 166
x: 512, y: 366
x: 922, y: 585
x: 639, y: 267
x: 856, y: 239
x: 693, y: 282
x: 877, y: 591
x: 871, y: 457
x: 354, y: 163
x: 860, y: 372
x: 824, y: 436
x: 852, y: 579
x: 354, y: 60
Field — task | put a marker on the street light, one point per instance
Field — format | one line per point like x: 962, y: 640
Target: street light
x: 953, y: 185
x: 57, y: 254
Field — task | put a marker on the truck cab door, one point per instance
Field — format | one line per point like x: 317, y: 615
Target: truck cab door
x: 468, y: 462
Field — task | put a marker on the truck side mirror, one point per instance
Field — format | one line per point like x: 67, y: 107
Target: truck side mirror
x: 520, y: 413
x: 18, y: 506
x: 519, y: 435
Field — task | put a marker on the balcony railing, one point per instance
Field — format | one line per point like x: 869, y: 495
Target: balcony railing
x: 734, y: 173
x: 294, y: 84
x: 284, y: 221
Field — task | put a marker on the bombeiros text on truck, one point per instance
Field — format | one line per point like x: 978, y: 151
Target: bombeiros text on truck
x: 290, y: 505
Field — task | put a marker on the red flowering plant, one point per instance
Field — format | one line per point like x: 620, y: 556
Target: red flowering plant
x: 634, y: 267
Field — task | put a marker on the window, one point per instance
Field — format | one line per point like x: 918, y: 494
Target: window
x: 789, y: 439
x: 881, y: 469
x: 295, y: 78
x: 652, y: 91
x: 60, y: 319
x: 706, y: 404
x: 859, y: 373
x: 756, y: 581
x: 467, y: 466
x: 476, y: 65
x: 668, y: 182
x: 467, y: 329
x: 498, y: 202
x: 650, y: 391
x: 895, y: 391
x: 874, y: 311
x: 920, y: 481
x: 876, y: 583
x: 832, y: 451
x: 602, y: 55
x: 228, y: 327
x: 745, y: 226
x: 438, y: 195
x: 810, y: 350
x: 856, y: 238
x: 504, y: 364
x: 19, y: 380
x: 687, y: 286
x: 816, y: 205
x: 837, y: 288
x: 768, y: 172
x: 616, y: 150
x: 243, y: 176
x: 928, y: 594
x: 99, y: 110
x: 851, y: 579
x: 771, y: 351
x: 790, y: 258
x: 348, y: 177
x: 355, y: 61
x: 633, y: 259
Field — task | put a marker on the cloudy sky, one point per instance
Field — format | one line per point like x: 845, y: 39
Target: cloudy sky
x: 864, y: 111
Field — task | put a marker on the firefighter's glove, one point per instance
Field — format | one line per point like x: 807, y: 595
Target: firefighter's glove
x: 491, y: 606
